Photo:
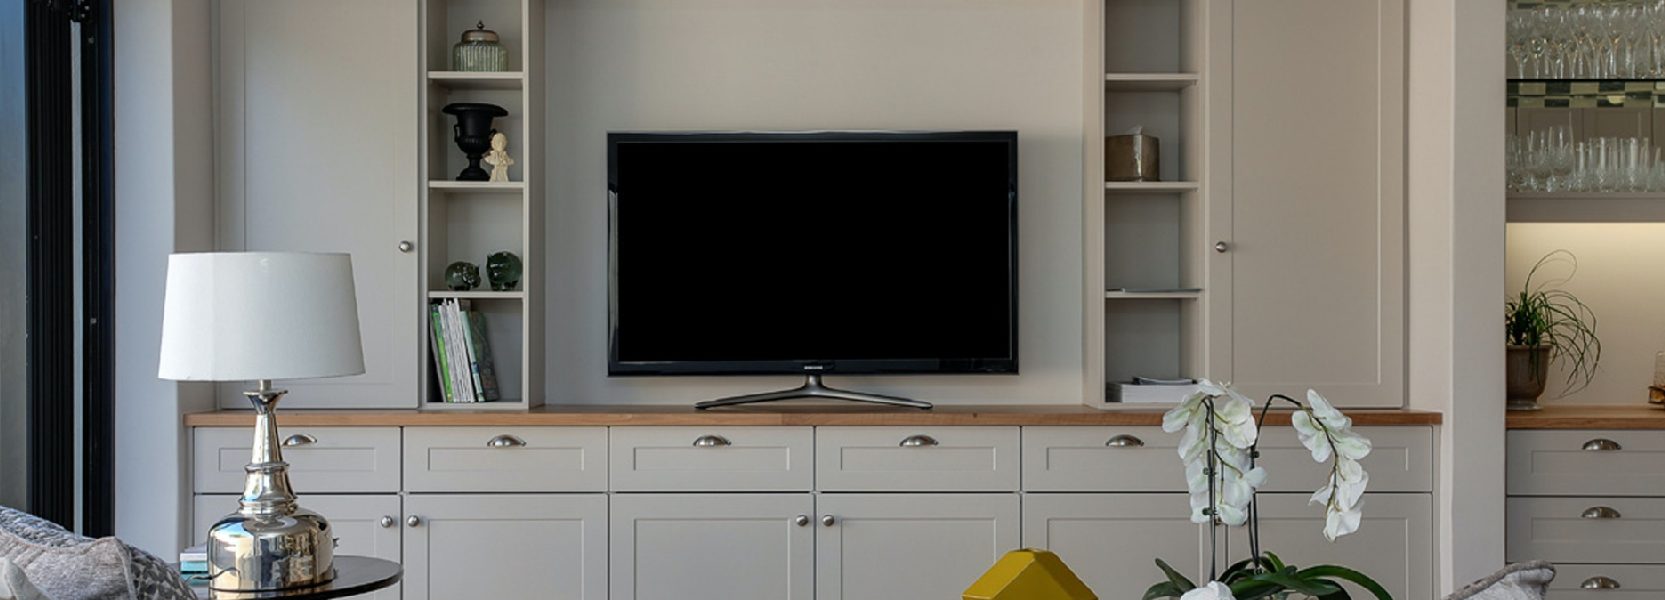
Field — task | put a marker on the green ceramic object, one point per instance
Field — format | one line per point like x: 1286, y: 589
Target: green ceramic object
x: 462, y: 276
x: 504, y: 269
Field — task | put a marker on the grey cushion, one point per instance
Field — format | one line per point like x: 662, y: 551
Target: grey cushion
x: 1521, y: 581
x: 68, y: 566
x: 14, y: 585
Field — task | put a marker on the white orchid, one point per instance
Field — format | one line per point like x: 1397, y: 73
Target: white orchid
x: 1214, y: 590
x: 1327, y: 433
x: 1233, y: 433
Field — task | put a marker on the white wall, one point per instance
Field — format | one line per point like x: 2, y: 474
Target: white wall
x: 1455, y: 254
x: 815, y: 64
x: 163, y: 204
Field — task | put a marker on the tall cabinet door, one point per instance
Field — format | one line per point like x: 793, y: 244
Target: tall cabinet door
x: 316, y: 150
x: 909, y: 545
x: 1307, y: 288
x: 506, y: 546
x: 1394, y: 544
x: 366, y: 525
x: 1110, y: 541
x: 713, y: 547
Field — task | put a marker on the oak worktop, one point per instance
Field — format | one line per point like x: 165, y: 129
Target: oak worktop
x: 802, y: 415
x: 1572, y: 416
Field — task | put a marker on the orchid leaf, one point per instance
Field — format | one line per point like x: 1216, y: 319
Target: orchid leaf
x: 1310, y: 587
x: 1174, y: 577
x: 1165, y: 589
x: 1347, y: 574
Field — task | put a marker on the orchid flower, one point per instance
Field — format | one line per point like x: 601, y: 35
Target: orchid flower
x: 1227, y: 492
x: 1328, y: 434
x: 1213, y: 590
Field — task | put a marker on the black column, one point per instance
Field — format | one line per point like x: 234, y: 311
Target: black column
x: 98, y: 264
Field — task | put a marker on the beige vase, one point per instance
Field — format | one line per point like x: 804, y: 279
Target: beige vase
x: 1527, y: 370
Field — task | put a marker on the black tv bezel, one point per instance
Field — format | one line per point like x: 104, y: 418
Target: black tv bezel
x: 989, y: 365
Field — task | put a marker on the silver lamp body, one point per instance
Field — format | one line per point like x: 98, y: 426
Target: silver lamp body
x: 270, y: 543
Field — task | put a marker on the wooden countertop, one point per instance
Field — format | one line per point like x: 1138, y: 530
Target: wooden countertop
x: 1572, y: 416
x: 625, y: 415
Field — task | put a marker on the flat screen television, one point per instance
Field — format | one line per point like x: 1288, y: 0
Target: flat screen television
x: 818, y: 253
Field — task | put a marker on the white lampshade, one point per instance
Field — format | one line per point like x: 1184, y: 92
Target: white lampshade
x: 238, y: 316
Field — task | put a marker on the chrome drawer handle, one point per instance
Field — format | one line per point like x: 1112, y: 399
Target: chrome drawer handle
x: 388, y: 521
x: 1602, y: 445
x: 918, y: 441
x: 801, y: 520
x: 1600, y: 582
x: 505, y: 441
x: 1600, y: 512
x: 1125, y: 441
x: 299, y: 439
x: 711, y: 441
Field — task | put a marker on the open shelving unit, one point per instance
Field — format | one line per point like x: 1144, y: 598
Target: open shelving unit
x: 467, y: 220
x: 1146, y: 66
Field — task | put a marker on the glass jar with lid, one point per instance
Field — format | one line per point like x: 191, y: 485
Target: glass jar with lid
x: 479, y: 50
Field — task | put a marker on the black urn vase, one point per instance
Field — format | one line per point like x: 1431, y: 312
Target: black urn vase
x: 473, y: 134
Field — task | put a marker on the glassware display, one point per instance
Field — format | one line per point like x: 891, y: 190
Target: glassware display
x: 1606, y: 40
x: 1550, y: 161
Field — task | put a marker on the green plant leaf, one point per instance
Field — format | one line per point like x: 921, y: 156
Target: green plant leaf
x: 1252, y: 589
x: 1273, y: 562
x: 1346, y: 574
x: 1340, y: 594
x: 1311, y: 587
x: 1165, y: 589
x: 1174, y: 577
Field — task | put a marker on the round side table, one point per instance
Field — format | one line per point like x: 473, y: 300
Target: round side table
x: 354, y: 575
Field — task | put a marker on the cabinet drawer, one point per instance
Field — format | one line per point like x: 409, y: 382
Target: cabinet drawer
x: 505, y: 459
x: 1586, y: 463
x: 741, y: 459
x: 321, y: 459
x: 916, y: 459
x: 1585, y: 582
x: 1146, y: 459
x: 1586, y: 530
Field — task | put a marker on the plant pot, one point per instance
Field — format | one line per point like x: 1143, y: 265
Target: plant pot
x: 1527, y: 370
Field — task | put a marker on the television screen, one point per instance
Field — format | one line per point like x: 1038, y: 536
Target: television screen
x: 752, y: 253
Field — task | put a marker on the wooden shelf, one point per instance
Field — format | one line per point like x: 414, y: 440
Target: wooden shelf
x: 477, y: 186
x: 477, y: 295
x: 471, y: 80
x: 508, y: 404
x: 1586, y: 207
x: 1121, y: 295
x: 1148, y: 82
x: 1149, y: 187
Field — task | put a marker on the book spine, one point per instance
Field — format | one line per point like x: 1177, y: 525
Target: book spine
x: 442, y: 367
x: 454, y: 355
x: 465, y: 320
x: 488, y: 366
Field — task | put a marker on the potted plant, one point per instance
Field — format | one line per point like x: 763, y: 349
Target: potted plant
x: 1219, y: 447
x: 1545, y: 324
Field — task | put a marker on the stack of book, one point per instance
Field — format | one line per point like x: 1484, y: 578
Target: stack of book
x: 193, y: 560
x: 462, y: 357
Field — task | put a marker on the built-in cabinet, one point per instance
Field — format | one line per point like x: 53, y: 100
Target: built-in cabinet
x: 505, y: 546
x: 713, y: 546
x: 1281, y: 211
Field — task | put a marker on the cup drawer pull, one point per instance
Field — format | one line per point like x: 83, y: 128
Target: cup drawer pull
x: 1600, y: 512
x: 505, y: 441
x: 1600, y: 582
x: 711, y: 441
x: 918, y: 441
x: 1125, y: 441
x: 299, y: 439
x: 1602, y: 445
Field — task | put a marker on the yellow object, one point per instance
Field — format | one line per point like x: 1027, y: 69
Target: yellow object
x: 1029, y: 574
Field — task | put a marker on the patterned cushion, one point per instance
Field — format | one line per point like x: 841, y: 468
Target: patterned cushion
x: 1522, y: 581
x: 67, y: 566
x: 14, y: 585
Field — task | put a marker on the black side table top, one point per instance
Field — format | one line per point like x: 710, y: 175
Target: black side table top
x: 354, y: 575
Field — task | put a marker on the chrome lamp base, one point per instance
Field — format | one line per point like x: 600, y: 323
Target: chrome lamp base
x: 270, y: 543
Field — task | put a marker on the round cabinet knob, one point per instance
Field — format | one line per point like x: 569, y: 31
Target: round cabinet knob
x: 828, y: 520
x: 413, y: 520
x: 918, y: 441
x: 388, y: 521
x: 1221, y: 247
x: 1600, y: 582
x: 710, y: 441
x: 801, y: 520
x: 406, y: 246
x: 505, y: 441
x: 1125, y: 441
x: 299, y: 439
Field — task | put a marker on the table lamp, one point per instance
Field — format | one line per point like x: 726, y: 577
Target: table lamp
x: 259, y: 316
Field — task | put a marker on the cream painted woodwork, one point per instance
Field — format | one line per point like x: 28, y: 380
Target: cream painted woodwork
x: 505, y: 546
x: 316, y: 150
x: 1585, y: 582
x: 909, y: 545
x: 712, y: 459
x: 1401, y: 460
x: 713, y: 547
x: 321, y: 459
x: 506, y: 459
x: 1586, y: 530
x: 363, y: 525
x: 1110, y: 540
x: 1309, y: 292
x: 1585, y: 463
x: 916, y: 459
x: 1394, y: 544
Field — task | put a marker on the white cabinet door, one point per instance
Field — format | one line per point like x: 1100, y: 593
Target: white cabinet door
x: 1394, y: 544
x: 506, y: 546
x: 909, y: 545
x: 316, y: 150
x: 1310, y: 202
x: 1111, y: 541
x: 713, y: 547
x: 364, y: 525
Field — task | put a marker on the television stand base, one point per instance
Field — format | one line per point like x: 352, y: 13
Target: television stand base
x: 812, y: 388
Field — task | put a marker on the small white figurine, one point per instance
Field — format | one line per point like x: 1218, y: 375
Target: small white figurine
x: 498, y: 158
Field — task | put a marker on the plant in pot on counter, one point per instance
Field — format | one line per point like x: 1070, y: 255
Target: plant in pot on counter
x: 1546, y: 325
x: 1219, y: 448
